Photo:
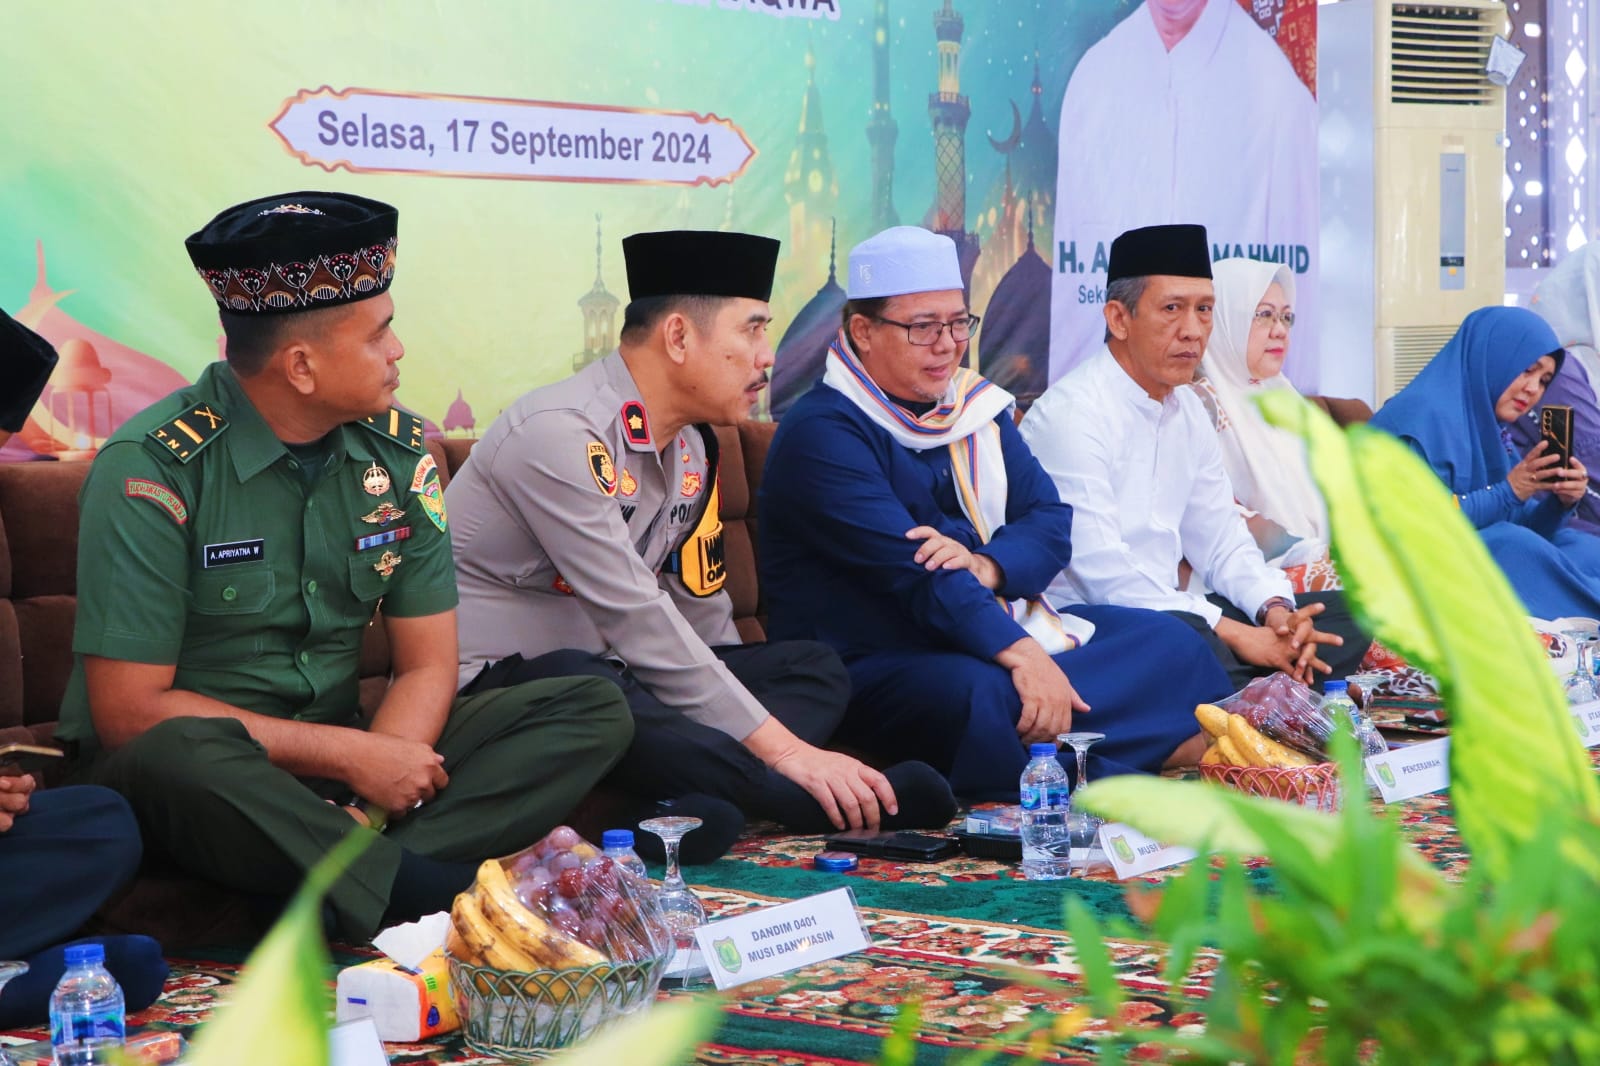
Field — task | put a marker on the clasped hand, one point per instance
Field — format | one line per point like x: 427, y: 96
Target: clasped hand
x: 939, y: 552
x: 14, y: 793
x: 1286, y: 640
x: 396, y: 773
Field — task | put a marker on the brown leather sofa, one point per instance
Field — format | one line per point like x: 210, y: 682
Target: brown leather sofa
x: 38, y: 593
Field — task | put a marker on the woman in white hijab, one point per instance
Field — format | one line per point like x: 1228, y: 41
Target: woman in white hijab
x: 1250, y: 332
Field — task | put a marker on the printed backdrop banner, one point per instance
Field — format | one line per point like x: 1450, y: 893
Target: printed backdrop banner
x: 522, y: 140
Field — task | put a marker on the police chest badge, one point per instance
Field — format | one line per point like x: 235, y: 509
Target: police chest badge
x: 601, y: 466
x: 628, y: 484
x: 425, y: 483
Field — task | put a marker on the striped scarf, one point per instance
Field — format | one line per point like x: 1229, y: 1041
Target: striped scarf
x: 964, y: 422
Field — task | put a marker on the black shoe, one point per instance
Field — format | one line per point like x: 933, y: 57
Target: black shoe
x: 721, y: 823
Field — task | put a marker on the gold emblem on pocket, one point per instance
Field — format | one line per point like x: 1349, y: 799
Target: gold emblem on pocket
x: 386, y: 563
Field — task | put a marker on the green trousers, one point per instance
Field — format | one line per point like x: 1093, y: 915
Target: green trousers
x: 519, y: 760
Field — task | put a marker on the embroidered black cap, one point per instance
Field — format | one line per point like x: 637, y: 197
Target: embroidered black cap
x: 26, y: 360
x: 297, y: 252
x: 1180, y: 251
x: 700, y: 263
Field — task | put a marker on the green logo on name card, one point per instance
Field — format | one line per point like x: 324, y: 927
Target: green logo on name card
x: 1386, y: 774
x: 727, y: 954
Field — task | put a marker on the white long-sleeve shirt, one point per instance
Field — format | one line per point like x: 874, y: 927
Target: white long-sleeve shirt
x: 1148, y: 489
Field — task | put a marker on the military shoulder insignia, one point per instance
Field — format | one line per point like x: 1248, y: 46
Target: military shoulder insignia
x: 187, y: 435
x: 137, y: 488
x: 430, y: 494
x: 635, y: 423
x: 402, y: 427
x: 603, y: 469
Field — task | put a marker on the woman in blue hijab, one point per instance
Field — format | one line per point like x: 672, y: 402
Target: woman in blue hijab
x: 1456, y: 414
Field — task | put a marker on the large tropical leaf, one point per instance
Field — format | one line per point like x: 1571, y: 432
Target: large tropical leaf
x: 1421, y: 580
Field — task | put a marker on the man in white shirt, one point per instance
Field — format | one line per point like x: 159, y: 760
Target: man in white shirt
x: 1137, y: 458
x: 1223, y: 133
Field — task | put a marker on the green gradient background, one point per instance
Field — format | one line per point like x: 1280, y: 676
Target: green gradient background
x: 128, y: 125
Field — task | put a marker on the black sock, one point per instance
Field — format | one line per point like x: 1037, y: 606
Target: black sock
x: 425, y: 886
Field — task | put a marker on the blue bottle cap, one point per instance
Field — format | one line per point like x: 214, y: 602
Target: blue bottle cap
x: 617, y: 838
x: 1041, y: 750
x: 835, y: 861
x: 1330, y: 687
x: 78, y: 954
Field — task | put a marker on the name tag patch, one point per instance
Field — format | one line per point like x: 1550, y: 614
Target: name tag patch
x: 388, y: 536
x: 237, y: 551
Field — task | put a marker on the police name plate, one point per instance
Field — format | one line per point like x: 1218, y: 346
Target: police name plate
x: 1131, y: 853
x: 1411, y: 771
x: 778, y: 939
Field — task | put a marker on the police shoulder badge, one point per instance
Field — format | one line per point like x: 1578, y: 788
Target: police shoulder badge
x: 186, y: 435
x: 603, y: 469
x: 635, y: 423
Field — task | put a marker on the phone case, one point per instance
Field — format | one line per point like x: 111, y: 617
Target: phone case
x: 1555, y: 426
x: 906, y: 847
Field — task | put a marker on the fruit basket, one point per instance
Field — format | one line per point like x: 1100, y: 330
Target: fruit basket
x: 522, y: 1014
x: 1316, y: 787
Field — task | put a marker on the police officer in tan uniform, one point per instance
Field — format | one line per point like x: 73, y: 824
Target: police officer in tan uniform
x: 236, y: 538
x: 586, y: 536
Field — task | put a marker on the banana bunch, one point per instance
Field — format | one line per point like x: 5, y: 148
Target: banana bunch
x: 1235, y: 742
x: 491, y: 927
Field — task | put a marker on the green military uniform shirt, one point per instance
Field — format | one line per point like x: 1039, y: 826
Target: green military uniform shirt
x: 202, y: 545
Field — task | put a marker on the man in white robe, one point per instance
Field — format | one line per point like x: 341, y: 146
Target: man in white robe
x: 1136, y: 456
x: 1186, y: 111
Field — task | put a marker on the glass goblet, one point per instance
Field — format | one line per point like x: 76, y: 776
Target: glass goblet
x: 681, y: 910
x: 1082, y: 827
x: 8, y: 970
x: 1580, y: 686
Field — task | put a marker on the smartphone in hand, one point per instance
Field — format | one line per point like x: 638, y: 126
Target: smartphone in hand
x: 1555, y: 428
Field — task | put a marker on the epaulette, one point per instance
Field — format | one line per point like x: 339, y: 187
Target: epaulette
x: 187, y: 435
x: 400, y: 426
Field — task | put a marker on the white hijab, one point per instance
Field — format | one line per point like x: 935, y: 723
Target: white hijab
x: 1266, y: 465
x: 1569, y: 299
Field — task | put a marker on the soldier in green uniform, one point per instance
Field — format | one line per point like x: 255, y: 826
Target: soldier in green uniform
x: 235, y: 541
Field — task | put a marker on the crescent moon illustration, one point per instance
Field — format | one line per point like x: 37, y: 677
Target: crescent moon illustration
x: 1009, y: 145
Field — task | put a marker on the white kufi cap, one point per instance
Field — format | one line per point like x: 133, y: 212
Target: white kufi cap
x: 903, y: 260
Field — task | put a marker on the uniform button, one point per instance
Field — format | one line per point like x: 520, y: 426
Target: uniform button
x: 293, y: 465
x: 230, y: 593
x: 311, y: 586
x: 305, y: 657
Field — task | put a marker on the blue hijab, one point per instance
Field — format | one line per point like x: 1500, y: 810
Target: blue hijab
x: 1447, y: 412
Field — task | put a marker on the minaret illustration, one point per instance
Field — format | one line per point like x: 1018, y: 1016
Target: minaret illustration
x: 882, y: 130
x: 949, y: 111
x: 810, y: 185
x: 599, y: 309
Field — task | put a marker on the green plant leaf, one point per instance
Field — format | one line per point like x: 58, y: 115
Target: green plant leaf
x: 279, y: 1010
x: 1420, y: 578
x: 664, y: 1035
x: 1199, y: 814
x: 1099, y: 976
x: 900, y: 1046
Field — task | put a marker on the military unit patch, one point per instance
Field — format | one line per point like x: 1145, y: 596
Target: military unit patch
x: 635, y: 423
x: 186, y: 435
x: 431, y: 497
x: 601, y: 466
x: 160, y: 495
x: 425, y: 467
x: 402, y: 427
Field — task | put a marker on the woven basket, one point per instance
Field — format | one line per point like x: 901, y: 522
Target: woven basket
x: 1316, y: 787
x: 523, y: 1015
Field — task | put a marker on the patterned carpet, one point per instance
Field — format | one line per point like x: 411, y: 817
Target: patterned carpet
x: 948, y: 933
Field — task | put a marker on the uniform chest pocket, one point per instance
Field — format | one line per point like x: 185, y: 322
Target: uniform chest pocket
x: 368, y: 583
x: 232, y: 590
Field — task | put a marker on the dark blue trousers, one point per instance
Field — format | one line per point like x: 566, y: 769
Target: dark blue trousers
x: 1142, y: 674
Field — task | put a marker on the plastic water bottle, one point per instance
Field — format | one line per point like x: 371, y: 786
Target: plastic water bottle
x: 1335, y: 699
x: 617, y: 845
x: 87, y: 1011
x: 1046, y: 843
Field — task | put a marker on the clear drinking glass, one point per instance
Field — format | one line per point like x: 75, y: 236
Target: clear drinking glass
x: 1580, y: 686
x: 681, y: 909
x: 8, y: 970
x: 1082, y: 827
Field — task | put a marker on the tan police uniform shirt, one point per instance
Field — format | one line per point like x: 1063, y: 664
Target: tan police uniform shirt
x: 563, y: 521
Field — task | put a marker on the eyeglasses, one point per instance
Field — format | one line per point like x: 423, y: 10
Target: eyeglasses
x: 1265, y: 317
x: 926, y: 334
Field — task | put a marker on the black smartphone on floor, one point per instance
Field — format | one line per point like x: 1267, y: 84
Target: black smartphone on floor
x: 895, y: 844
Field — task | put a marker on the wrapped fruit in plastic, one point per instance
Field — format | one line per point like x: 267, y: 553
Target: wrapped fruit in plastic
x: 559, y: 904
x: 1286, y: 711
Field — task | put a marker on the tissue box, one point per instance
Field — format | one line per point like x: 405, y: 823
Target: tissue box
x: 407, y: 1005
